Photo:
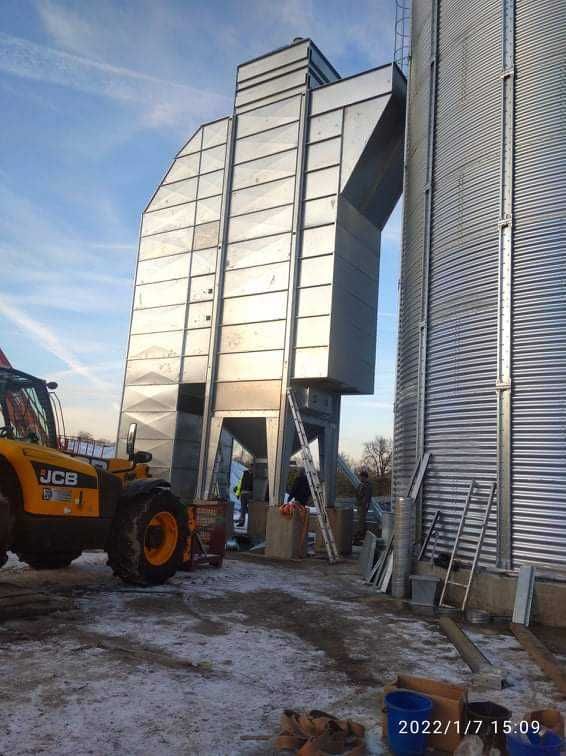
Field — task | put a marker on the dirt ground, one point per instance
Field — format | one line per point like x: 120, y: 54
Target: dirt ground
x: 206, y: 663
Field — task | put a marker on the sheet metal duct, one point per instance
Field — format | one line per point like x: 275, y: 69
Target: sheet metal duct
x: 258, y: 268
x: 481, y: 374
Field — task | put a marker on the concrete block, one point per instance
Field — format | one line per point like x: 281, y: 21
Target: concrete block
x: 257, y: 520
x: 342, y: 524
x: 286, y: 536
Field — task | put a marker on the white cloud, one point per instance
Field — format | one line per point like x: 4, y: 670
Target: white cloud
x: 47, y: 339
x: 161, y: 102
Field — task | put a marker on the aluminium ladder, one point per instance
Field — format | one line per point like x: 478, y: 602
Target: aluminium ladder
x: 480, y: 521
x: 315, y: 485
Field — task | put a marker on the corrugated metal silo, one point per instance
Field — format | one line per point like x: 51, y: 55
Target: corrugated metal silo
x: 481, y: 375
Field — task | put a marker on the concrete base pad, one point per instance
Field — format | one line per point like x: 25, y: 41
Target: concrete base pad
x: 495, y: 593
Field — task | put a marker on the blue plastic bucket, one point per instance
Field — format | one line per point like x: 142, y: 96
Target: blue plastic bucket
x: 408, y: 715
x: 531, y: 743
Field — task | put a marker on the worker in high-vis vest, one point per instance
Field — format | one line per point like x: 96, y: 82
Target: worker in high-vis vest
x: 243, y: 490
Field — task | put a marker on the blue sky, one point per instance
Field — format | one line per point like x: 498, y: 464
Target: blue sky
x: 96, y: 98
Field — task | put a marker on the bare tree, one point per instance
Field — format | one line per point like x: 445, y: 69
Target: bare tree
x: 377, y: 456
x: 85, y: 436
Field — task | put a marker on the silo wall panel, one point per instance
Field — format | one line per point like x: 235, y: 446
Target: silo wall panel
x: 539, y: 287
x: 460, y: 399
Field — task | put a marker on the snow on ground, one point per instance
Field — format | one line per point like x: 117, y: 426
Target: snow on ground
x: 113, y: 675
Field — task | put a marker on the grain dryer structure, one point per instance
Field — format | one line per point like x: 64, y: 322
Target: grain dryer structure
x: 481, y: 374
x: 258, y: 270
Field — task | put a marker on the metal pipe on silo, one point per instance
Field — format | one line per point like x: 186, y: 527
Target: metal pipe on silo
x: 403, y: 546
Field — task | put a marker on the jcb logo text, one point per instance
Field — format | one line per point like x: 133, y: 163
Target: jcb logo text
x: 58, y: 478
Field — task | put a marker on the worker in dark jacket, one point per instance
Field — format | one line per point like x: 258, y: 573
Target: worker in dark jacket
x: 243, y: 491
x: 300, y: 490
x: 363, y: 500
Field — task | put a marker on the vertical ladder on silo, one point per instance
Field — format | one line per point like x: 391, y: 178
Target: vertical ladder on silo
x: 315, y: 485
x: 478, y: 520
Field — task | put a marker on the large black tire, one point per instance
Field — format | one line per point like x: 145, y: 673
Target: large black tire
x: 142, y: 553
x: 49, y: 560
x: 10, y: 502
x: 6, y: 525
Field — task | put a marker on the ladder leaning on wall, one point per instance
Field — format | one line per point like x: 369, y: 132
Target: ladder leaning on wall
x: 315, y: 485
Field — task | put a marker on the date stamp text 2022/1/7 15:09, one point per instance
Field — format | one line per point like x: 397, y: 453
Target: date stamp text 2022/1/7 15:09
x: 470, y: 727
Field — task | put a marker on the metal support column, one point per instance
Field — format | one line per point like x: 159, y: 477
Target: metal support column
x: 504, y: 307
x: 271, y: 432
x: 328, y: 454
x: 428, y: 192
x: 212, y: 451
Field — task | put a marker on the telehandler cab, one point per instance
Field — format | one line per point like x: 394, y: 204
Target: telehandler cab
x: 56, y: 502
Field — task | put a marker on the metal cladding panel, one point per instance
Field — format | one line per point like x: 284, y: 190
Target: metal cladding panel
x: 252, y: 336
x: 151, y: 425
x: 148, y: 372
x: 539, y: 287
x: 163, y: 269
x: 410, y: 282
x: 197, y: 342
x: 264, y: 169
x: 156, y: 319
x: 199, y: 315
x: 155, y: 345
x: 255, y: 309
x: 248, y: 395
x: 162, y: 293
x: 169, y: 243
x: 354, y: 89
x: 460, y: 412
x: 194, y: 369
x: 261, y: 251
x: 269, y: 117
x: 174, y: 194
x: 150, y: 398
x: 203, y: 261
x: 263, y: 143
x: 278, y: 85
x: 193, y: 145
x: 273, y: 61
x: 263, y: 196
x: 250, y: 366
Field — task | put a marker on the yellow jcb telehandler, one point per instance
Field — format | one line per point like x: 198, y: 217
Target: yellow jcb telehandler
x: 55, y: 503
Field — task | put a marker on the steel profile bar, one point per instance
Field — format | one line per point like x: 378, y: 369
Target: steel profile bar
x: 425, y: 284
x: 504, y: 304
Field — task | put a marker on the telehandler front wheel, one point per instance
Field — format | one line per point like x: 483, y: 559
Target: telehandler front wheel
x: 147, y: 538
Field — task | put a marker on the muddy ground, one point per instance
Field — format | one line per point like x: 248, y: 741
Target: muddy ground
x: 206, y: 664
